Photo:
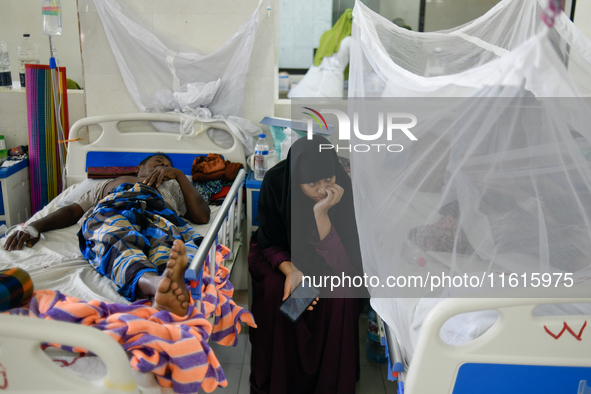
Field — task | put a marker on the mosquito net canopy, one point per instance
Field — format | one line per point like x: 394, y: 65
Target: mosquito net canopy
x: 165, y: 75
x: 494, y: 189
x: 394, y: 62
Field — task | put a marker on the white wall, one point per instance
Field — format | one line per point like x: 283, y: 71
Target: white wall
x: 301, y: 24
x: 204, y: 24
x: 445, y: 14
x: 439, y: 14
x: 13, y: 115
x: 405, y: 9
x: 24, y: 16
x: 583, y: 16
x: 18, y: 17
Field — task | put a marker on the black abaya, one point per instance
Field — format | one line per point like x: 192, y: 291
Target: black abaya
x: 320, y: 352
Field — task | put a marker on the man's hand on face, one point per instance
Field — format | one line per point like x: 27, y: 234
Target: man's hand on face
x: 161, y: 174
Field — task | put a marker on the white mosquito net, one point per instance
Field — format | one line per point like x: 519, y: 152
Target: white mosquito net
x: 496, y: 188
x: 165, y: 75
x: 394, y: 62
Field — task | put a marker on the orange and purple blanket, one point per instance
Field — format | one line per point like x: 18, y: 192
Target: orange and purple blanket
x: 174, y: 348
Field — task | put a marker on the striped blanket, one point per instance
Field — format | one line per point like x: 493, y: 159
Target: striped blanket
x: 174, y: 348
x: 131, y: 232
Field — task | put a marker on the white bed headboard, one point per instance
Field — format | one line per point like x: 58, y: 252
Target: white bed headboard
x: 112, y: 139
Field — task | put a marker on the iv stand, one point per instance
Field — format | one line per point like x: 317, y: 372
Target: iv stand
x: 57, y: 107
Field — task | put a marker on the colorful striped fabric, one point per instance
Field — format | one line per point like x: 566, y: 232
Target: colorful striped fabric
x: 45, y: 165
x: 174, y: 348
x: 16, y: 288
x: 217, y: 301
x: 131, y: 232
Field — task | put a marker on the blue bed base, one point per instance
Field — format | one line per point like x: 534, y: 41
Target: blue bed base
x: 182, y: 161
x: 481, y: 378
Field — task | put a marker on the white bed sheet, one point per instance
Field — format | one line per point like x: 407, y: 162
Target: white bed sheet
x: 56, y: 263
x: 411, y: 312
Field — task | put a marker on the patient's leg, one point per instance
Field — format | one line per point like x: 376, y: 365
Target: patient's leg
x: 172, y: 294
x: 169, y: 290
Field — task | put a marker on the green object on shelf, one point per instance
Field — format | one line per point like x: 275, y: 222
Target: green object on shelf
x: 3, y: 150
x: 71, y: 84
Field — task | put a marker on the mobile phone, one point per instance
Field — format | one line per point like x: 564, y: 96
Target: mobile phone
x: 298, y: 301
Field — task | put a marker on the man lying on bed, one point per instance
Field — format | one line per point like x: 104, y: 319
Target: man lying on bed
x: 132, y: 231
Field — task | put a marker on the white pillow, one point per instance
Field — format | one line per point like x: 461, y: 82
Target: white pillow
x: 77, y: 191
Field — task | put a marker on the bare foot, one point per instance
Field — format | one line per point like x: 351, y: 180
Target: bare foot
x: 172, y: 294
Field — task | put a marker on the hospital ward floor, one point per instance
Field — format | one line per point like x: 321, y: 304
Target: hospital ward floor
x: 236, y: 362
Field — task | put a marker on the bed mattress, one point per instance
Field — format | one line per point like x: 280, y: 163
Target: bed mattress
x: 56, y: 263
x: 404, y: 317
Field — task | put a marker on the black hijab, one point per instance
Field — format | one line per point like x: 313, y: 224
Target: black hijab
x: 285, y: 215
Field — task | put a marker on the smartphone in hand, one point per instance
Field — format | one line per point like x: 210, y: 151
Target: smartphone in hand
x: 298, y: 301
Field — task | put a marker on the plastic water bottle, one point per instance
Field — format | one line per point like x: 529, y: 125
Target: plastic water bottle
x: 52, y: 17
x: 376, y: 353
x: 261, y: 152
x: 5, y: 76
x: 413, y: 255
x: 27, y: 52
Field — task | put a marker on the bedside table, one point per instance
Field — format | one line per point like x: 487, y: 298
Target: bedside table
x: 252, y: 197
x: 15, y: 194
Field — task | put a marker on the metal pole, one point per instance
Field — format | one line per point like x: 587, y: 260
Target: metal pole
x: 223, y: 239
x: 231, y: 226
x: 56, y: 101
x: 209, y: 238
x: 212, y: 260
x: 239, y: 219
x: 422, y: 10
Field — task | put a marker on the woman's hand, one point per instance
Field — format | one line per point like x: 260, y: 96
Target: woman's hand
x: 311, y: 307
x: 162, y: 174
x: 334, y: 193
x: 292, y: 280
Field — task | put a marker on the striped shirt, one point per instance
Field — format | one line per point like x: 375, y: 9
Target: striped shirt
x: 170, y: 190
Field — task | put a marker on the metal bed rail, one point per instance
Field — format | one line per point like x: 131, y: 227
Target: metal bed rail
x: 226, y: 223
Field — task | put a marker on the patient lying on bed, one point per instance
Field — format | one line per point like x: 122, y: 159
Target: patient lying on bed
x: 132, y: 231
x: 506, y: 191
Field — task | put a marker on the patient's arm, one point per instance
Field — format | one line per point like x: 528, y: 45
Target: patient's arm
x: 61, y: 218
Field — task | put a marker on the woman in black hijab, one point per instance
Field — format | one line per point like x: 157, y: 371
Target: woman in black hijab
x: 306, y: 227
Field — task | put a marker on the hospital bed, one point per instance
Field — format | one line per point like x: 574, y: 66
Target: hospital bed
x: 507, y: 340
x: 56, y: 263
x: 523, y: 351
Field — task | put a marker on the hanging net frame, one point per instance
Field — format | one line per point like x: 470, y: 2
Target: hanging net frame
x: 498, y: 180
